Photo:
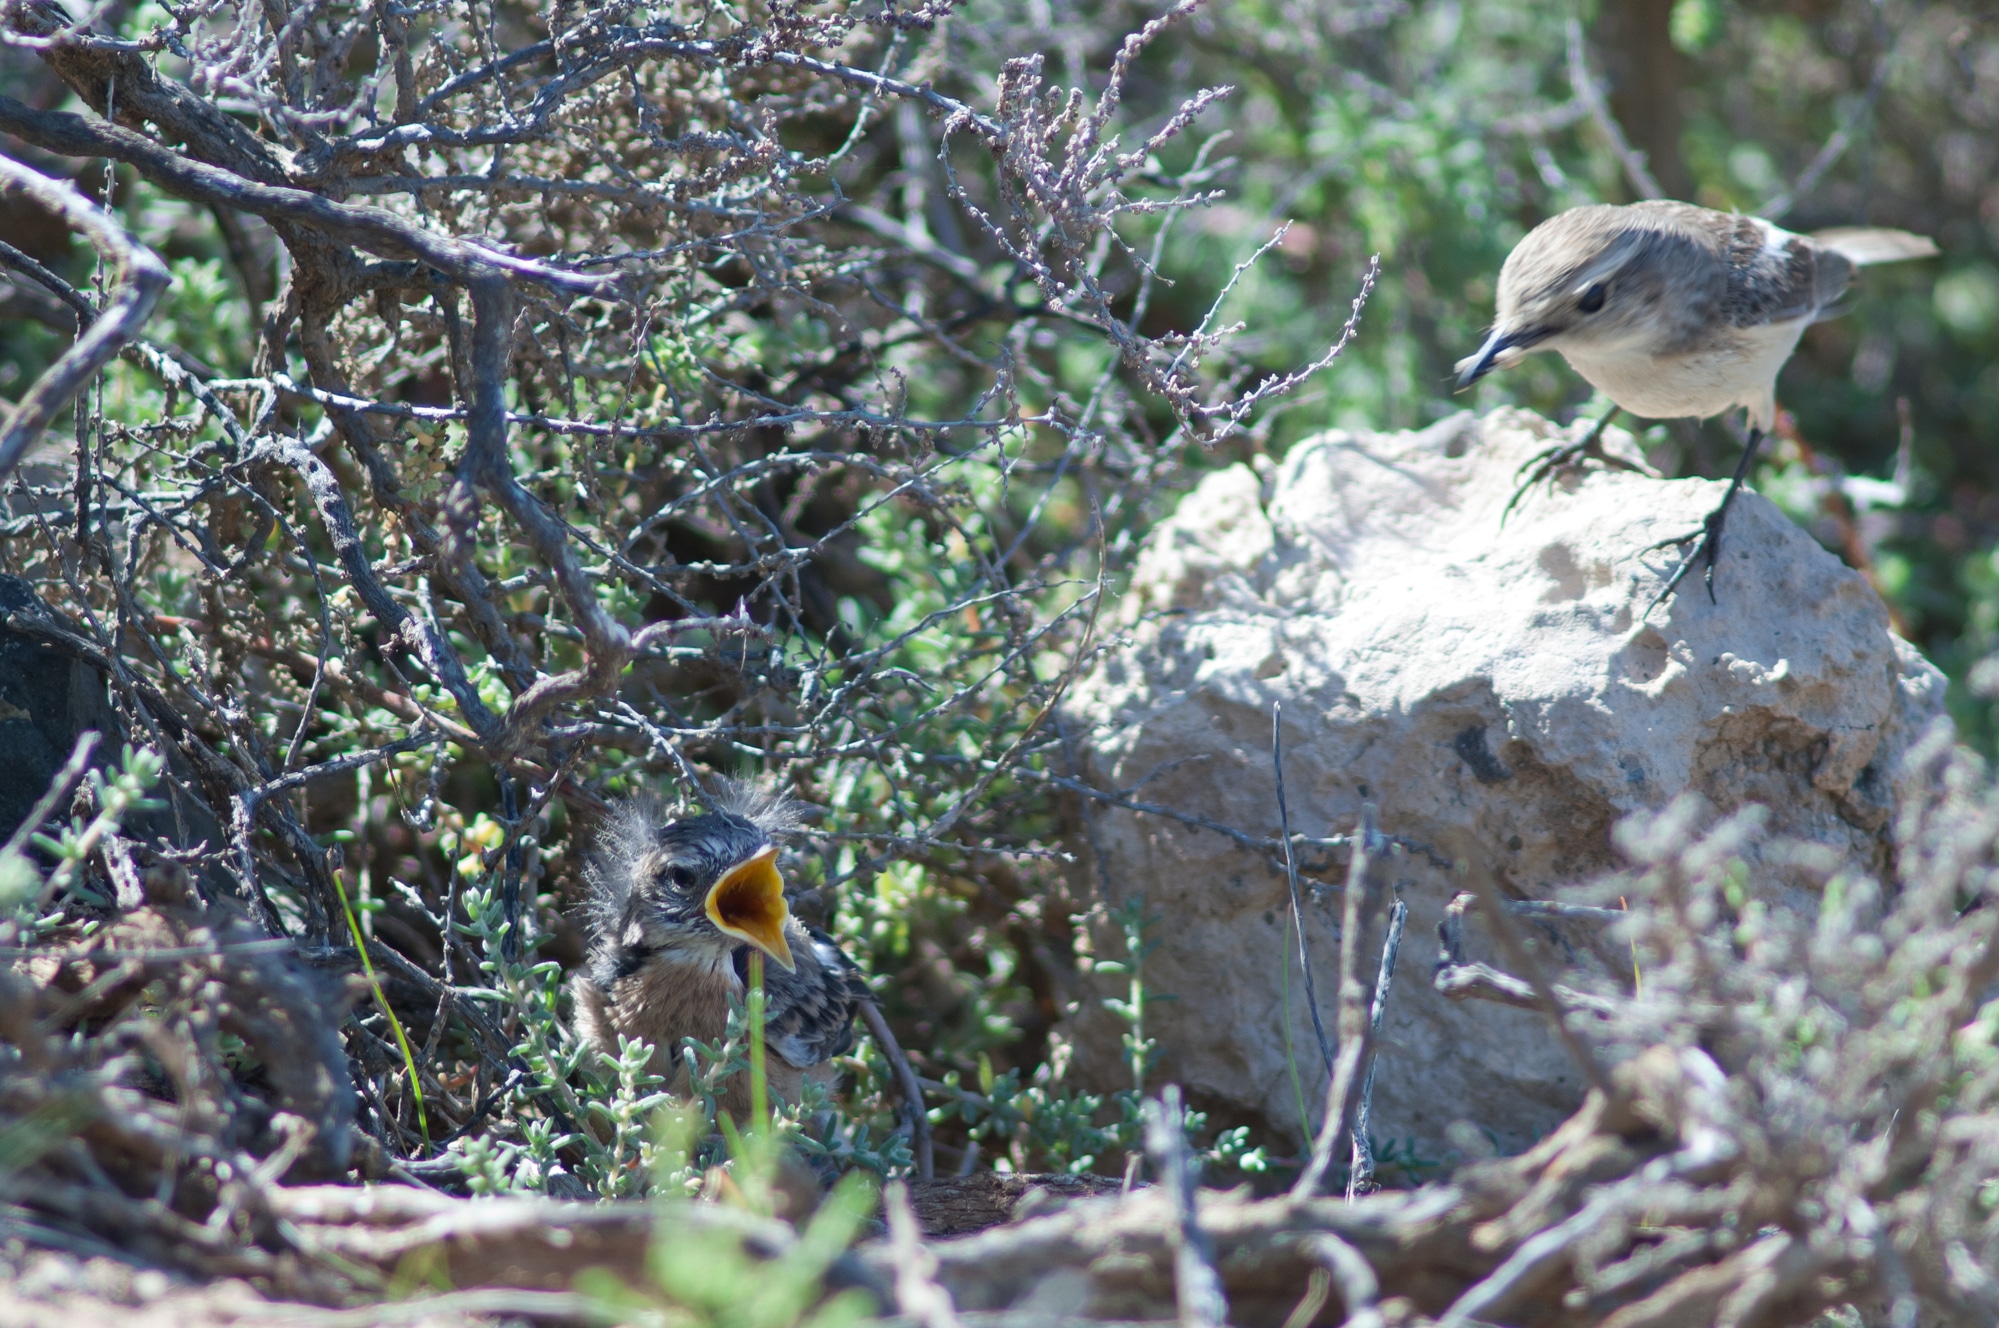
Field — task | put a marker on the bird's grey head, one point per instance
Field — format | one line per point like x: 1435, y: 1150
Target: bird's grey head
x: 1600, y: 280
x: 699, y: 887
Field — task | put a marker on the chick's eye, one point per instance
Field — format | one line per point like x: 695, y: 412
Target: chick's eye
x: 679, y: 877
x: 1592, y: 299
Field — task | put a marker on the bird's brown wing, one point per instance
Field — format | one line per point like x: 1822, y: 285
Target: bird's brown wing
x: 1778, y: 278
x: 812, y: 1010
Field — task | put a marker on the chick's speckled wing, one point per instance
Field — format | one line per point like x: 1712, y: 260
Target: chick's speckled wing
x: 812, y: 1010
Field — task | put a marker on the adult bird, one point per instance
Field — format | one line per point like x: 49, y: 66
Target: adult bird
x: 1673, y: 310
x: 677, y: 906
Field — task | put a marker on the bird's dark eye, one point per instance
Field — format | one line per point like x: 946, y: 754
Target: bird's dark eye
x: 1592, y: 299
x: 680, y: 877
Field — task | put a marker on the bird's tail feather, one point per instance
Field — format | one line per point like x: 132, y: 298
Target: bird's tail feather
x: 1862, y: 245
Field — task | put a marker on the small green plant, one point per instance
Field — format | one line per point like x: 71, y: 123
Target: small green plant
x: 125, y: 792
x: 1405, y: 1156
x: 352, y: 915
x: 1138, y: 1048
x: 1039, y: 1124
x: 702, y: 1273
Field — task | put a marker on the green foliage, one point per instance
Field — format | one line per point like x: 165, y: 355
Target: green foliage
x: 1130, y: 919
x: 1041, y: 1125
x: 126, y: 792
x: 704, y: 1275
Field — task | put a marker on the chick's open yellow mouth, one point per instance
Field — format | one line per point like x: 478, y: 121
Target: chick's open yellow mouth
x: 748, y: 902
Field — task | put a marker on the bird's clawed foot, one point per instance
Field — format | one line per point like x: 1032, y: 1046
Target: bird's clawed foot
x: 1707, y: 544
x: 1546, y: 465
x: 1706, y: 540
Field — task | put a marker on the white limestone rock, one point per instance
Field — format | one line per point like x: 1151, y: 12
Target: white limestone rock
x: 1495, y: 693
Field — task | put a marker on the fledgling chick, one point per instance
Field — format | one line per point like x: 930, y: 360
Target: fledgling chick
x: 1674, y: 310
x: 675, y: 907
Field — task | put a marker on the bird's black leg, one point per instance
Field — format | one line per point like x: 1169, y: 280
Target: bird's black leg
x: 1544, y: 465
x: 1706, y: 540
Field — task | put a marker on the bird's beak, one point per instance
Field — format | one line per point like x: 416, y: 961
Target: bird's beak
x: 748, y: 903
x: 1476, y: 366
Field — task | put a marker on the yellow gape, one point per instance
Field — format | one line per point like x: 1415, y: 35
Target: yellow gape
x: 749, y: 902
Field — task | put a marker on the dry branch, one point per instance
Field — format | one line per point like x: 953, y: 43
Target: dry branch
x: 140, y: 276
x: 1291, y: 879
x: 1360, y: 1179
x: 1590, y: 96
x: 1197, y: 1288
x: 1354, y: 1028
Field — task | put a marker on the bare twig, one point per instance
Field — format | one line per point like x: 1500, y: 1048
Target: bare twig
x: 59, y: 786
x: 1359, y: 1287
x: 908, y: 1086
x: 1354, y: 1029
x: 1828, y: 155
x: 1518, y: 957
x: 1265, y: 847
x: 339, y: 765
x: 1291, y: 877
x: 367, y: 228
x: 1198, y: 1286
x: 1643, y: 182
x: 1549, y: 908
x: 502, y: 1302
x: 1360, y: 1177
x: 1461, y: 979
x: 55, y: 285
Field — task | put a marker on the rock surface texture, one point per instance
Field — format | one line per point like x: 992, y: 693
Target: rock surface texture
x: 1495, y: 693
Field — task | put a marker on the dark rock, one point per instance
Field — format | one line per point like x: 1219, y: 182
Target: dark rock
x: 46, y: 700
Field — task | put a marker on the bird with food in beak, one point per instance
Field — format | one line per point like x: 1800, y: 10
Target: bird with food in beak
x: 677, y: 907
x: 1673, y: 310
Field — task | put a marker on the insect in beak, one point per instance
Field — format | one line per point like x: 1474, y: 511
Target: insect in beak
x: 1502, y: 350
x: 748, y: 902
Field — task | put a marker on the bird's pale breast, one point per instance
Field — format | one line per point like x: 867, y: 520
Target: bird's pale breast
x: 1737, y: 368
